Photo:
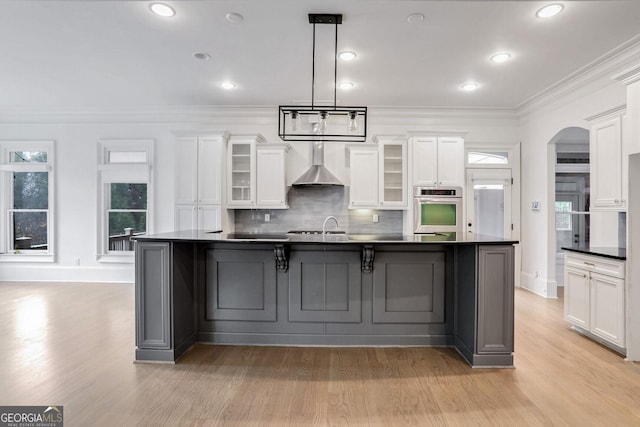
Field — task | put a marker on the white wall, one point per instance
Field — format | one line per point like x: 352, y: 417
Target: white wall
x: 76, y: 136
x: 537, y: 129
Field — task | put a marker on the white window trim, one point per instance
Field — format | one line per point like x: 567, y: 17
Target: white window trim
x: 139, y: 173
x: 7, y: 147
x: 470, y: 148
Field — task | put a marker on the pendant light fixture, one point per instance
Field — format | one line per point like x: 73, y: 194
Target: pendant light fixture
x: 327, y: 122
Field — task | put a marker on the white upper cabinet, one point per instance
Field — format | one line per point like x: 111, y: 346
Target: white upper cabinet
x: 393, y: 172
x: 437, y: 161
x: 210, y: 170
x: 363, y: 192
x: 378, y: 174
x: 608, y: 161
x: 256, y: 173
x: 271, y: 183
x: 198, y: 187
x: 186, y: 155
x: 241, y: 166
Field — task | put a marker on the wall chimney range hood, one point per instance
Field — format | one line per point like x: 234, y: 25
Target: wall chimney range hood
x: 317, y: 174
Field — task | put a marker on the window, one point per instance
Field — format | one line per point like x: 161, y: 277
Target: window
x: 475, y: 158
x: 26, y: 178
x: 563, y: 216
x: 125, y: 196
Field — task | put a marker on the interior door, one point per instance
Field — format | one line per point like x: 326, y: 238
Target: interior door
x: 489, y: 202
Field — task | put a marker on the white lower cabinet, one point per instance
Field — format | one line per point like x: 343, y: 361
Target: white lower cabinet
x: 201, y: 217
x: 594, y: 296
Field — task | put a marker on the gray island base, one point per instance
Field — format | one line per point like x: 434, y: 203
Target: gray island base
x: 348, y: 290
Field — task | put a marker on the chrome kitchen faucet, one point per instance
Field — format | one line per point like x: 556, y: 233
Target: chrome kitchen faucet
x: 324, y: 224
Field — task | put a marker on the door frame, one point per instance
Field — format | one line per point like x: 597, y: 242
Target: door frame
x: 501, y: 176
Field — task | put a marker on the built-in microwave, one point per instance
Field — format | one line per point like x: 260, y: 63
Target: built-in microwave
x: 437, y: 209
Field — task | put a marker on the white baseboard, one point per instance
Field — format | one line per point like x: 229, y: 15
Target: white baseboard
x: 123, y: 273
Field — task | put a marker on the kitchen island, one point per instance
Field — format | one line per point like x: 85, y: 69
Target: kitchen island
x: 451, y: 290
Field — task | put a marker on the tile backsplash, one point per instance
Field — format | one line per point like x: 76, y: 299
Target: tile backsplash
x: 308, y: 208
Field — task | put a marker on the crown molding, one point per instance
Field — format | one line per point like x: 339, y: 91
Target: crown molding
x: 203, y: 116
x: 619, y: 58
x: 612, y: 112
x: 187, y: 117
x: 629, y: 76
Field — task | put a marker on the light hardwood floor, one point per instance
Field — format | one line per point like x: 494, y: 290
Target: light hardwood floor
x: 72, y: 345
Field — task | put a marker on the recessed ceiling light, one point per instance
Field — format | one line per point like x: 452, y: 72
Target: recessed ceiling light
x: 347, y: 55
x: 550, y: 10
x: 202, y: 55
x: 162, y: 9
x: 415, y: 18
x: 469, y: 86
x: 234, y: 18
x: 228, y: 85
x: 501, y: 57
x: 345, y: 85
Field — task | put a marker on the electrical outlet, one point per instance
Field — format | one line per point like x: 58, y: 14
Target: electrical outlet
x: 375, y: 218
x: 267, y: 217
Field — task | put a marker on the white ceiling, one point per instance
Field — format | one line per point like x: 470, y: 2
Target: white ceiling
x: 116, y: 54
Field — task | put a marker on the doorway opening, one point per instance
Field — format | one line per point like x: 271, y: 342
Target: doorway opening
x: 572, y: 194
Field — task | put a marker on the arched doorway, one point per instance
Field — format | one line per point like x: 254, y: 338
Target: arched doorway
x: 569, y: 196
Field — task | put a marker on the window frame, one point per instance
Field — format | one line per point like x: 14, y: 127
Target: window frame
x: 489, y: 149
x: 7, y: 168
x: 123, y: 173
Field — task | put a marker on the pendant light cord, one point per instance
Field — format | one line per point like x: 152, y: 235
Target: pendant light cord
x: 335, y: 68
x: 313, y: 67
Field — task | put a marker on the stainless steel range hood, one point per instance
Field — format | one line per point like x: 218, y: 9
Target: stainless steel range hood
x: 317, y: 174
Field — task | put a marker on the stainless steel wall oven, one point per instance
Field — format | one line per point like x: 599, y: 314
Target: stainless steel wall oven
x: 437, y: 209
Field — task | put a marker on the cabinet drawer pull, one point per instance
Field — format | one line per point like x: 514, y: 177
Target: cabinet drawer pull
x: 589, y: 264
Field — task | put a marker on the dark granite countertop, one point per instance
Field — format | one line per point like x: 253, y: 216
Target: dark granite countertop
x: 607, y: 252
x: 209, y: 236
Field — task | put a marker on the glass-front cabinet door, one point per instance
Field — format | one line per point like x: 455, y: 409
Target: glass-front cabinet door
x: 393, y: 172
x: 241, y: 167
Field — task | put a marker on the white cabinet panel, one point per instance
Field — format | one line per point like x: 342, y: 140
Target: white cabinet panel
x: 605, y: 162
x: 577, y: 297
x: 425, y: 157
x: 241, y: 170
x: 378, y: 173
x: 450, y: 162
x: 270, y: 178
x: 393, y: 173
x: 364, y: 178
x: 607, y: 308
x: 438, y: 161
x: 186, y: 156
x: 594, y: 296
x: 186, y: 217
x: 209, y: 170
x: 209, y: 217
x: 256, y: 173
x: 198, y: 174
x: 610, y: 141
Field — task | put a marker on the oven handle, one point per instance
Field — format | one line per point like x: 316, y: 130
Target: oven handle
x: 437, y: 199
